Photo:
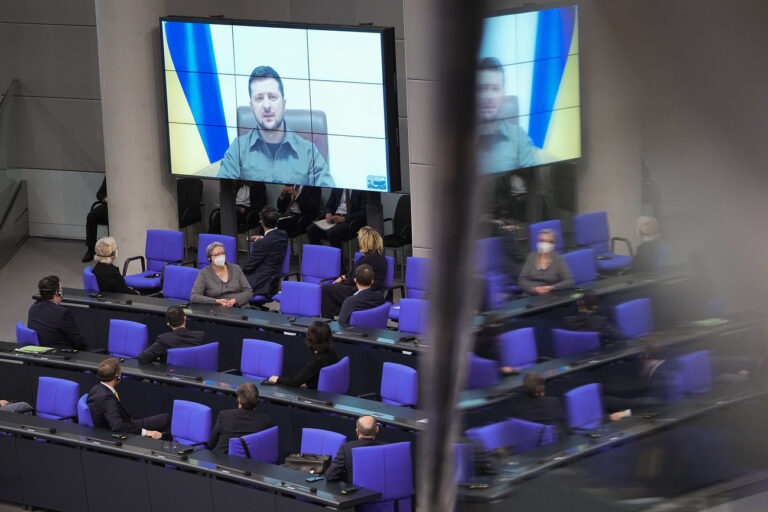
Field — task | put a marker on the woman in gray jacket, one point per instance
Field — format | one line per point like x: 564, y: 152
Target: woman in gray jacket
x: 220, y: 282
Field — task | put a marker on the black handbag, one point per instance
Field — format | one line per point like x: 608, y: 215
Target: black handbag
x: 308, y: 462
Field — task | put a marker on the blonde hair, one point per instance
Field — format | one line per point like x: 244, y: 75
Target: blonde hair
x: 105, y: 248
x: 370, y: 240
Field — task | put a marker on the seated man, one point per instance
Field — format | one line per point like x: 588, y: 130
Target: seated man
x: 239, y: 422
x: 346, y: 211
x: 298, y: 206
x: 537, y: 407
x: 54, y: 324
x: 179, y: 337
x: 341, y: 467
x: 587, y: 319
x: 364, y: 298
x: 108, y: 412
x: 264, y: 266
x: 19, y: 407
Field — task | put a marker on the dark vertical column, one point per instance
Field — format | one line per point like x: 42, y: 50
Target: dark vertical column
x: 227, y: 212
x: 375, y: 214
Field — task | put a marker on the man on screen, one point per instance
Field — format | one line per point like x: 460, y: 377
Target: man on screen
x: 502, y: 144
x: 272, y: 152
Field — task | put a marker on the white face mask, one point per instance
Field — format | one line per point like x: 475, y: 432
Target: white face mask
x: 220, y: 261
x: 545, y: 247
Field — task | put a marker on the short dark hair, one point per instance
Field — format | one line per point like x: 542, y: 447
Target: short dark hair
x: 248, y: 394
x: 364, y: 275
x: 490, y: 64
x: 589, y: 300
x: 268, y: 217
x: 262, y: 72
x: 174, y: 315
x: 48, y: 286
x: 319, y: 337
x: 533, y: 384
x: 108, y: 369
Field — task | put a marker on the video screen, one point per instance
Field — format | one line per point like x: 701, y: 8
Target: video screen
x: 528, y: 110
x: 287, y: 104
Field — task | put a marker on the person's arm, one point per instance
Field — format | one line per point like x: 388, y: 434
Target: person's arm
x: 337, y: 469
x: 257, y: 256
x: 101, y: 195
x: 310, y: 200
x: 319, y: 174
x: 564, y: 276
x: 214, y: 438
x: 332, y: 203
x: 115, y: 419
x: 524, y: 281
x: 346, y: 310
x: 70, y: 330
x: 246, y: 292
x: 152, y: 352
x: 230, y: 164
x: 310, y: 370
x: 117, y: 281
x: 360, y: 212
x: 258, y: 196
x: 198, y: 290
x: 283, y: 200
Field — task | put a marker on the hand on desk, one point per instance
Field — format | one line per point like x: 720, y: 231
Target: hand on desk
x: 154, y: 434
x: 273, y: 379
x: 509, y: 370
x: 3, y: 403
x: 616, y: 416
x: 227, y: 303
x: 541, y: 290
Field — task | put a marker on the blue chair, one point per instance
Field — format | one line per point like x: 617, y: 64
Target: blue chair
x: 205, y: 239
x: 84, y: 412
x: 517, y: 348
x: 25, y: 335
x: 695, y: 373
x: 414, y: 316
x: 300, y: 298
x: 482, y: 372
x: 261, y: 446
x: 127, y: 339
x: 335, y: 378
x: 582, y: 265
x: 399, y: 385
x: 204, y: 357
x: 566, y: 343
x: 90, y: 283
x: 57, y: 398
x: 178, y: 282
x: 634, y: 318
x: 584, y: 407
x: 260, y: 300
x: 162, y: 248
x: 554, y: 225
x: 261, y: 359
x: 463, y: 462
x: 591, y: 231
x: 319, y: 263
x: 388, y: 470
x: 490, y: 265
x: 321, y: 442
x: 375, y: 318
x: 190, y: 423
x: 514, y: 433
x: 416, y: 283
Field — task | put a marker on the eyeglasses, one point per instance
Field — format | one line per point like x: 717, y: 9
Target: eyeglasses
x: 215, y: 254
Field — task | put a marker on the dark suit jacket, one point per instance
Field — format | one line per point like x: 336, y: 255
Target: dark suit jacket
x: 179, y: 338
x: 236, y: 423
x: 107, y: 411
x: 264, y: 265
x: 308, y: 201
x: 379, y: 264
x: 356, y: 211
x: 364, y: 299
x: 341, y: 466
x: 310, y: 374
x: 544, y: 409
x: 55, y: 325
x: 110, y: 279
x: 102, y: 193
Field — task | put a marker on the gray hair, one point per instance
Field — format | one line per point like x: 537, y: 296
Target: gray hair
x: 647, y: 228
x: 211, y: 247
x: 105, y: 248
x: 547, y: 231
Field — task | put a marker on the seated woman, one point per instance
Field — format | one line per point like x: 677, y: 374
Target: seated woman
x: 372, y: 248
x: 107, y: 274
x: 220, y: 282
x: 545, y: 270
x: 320, y: 342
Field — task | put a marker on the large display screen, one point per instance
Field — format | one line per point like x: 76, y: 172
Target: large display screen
x: 276, y: 103
x: 528, y: 108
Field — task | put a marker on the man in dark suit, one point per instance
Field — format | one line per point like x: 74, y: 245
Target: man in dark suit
x: 364, y: 298
x: 346, y: 211
x: 179, y: 337
x: 54, y: 324
x: 298, y: 206
x: 97, y: 215
x: 239, y: 422
x: 108, y: 412
x: 537, y: 407
x: 341, y: 466
x: 264, y: 265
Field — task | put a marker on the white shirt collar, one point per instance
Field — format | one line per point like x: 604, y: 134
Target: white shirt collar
x: 269, y: 231
x: 110, y: 388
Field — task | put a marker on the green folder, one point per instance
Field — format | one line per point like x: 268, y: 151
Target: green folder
x: 34, y: 349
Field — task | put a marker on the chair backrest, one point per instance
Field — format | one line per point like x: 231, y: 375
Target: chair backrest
x: 389, y: 279
x: 634, y: 318
x: 482, y: 372
x: 399, y: 384
x: 591, y: 230
x: 696, y: 372
x: 386, y: 469
x: 178, y: 282
x: 321, y: 442
x: 205, y: 239
x: 462, y: 462
x: 554, y: 225
x: 300, y: 298
x: 319, y: 262
x: 517, y: 348
x: 414, y: 316
x: 375, y: 317
x: 163, y: 246
x: 310, y: 125
x: 582, y: 265
x: 262, y: 446
x: 584, y: 406
x: 84, y: 412
x: 488, y: 255
x: 514, y: 433
x: 261, y: 359
x: 416, y: 277
x: 335, y: 378
x: 127, y: 339
x: 90, y: 283
x: 566, y: 343
x: 204, y: 357
x: 286, y: 268
x: 57, y: 398
x: 190, y: 422
x: 25, y: 335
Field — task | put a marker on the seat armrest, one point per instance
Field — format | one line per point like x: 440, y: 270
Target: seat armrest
x: 400, y: 287
x: 156, y: 294
x: 132, y: 258
x: 541, y: 359
x: 98, y: 350
x: 620, y: 239
x: 191, y: 263
x: 288, y: 276
x: 232, y: 371
x: 369, y: 396
x: 162, y: 272
x: 329, y: 280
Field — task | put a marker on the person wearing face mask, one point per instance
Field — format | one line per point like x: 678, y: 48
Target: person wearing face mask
x: 545, y: 270
x: 107, y: 274
x: 221, y: 282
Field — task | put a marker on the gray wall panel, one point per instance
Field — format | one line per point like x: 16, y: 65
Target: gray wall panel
x: 77, y: 12
x: 337, y: 12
